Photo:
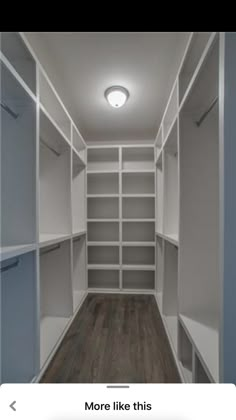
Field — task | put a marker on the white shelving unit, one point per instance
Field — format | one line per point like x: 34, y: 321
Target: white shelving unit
x: 121, y: 211
x: 43, y: 208
x: 189, y: 156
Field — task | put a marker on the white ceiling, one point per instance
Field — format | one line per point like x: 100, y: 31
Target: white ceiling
x: 89, y: 62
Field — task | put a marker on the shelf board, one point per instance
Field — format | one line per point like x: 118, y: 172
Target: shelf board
x: 138, y: 195
x: 138, y: 171
x: 48, y: 115
x: 139, y: 243
x: 158, y: 161
x: 79, y: 233
x: 78, y: 296
x: 138, y: 220
x: 206, y: 341
x: 16, y: 250
x: 51, y: 329
x: 103, y: 266
x: 138, y: 267
x: 116, y: 171
x: 102, y: 195
x: 103, y: 243
x: 172, y: 238
x: 103, y: 220
x: 46, y: 239
x: 80, y: 160
x: 165, y: 142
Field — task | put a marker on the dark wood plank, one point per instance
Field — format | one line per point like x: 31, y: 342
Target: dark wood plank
x: 114, y: 339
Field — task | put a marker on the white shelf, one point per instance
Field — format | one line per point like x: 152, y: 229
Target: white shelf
x: 79, y: 270
x: 173, y: 239
x: 139, y: 232
x: 206, y: 341
x: 103, y: 171
x: 106, y: 208
x: 138, y: 267
x: 103, y: 254
x: 104, y: 279
x: 138, y: 220
x: 103, y: 266
x: 103, y: 184
x: 140, y: 243
x: 103, y: 232
x: 46, y: 239
x: 51, y: 329
x: 138, y: 195
x: 103, y: 243
x: 138, y: 171
x: 138, y: 280
x: 79, y: 233
x: 102, y: 195
x: 136, y: 158
x: 104, y: 159
x: 78, y: 157
x: 102, y: 220
x: 16, y: 250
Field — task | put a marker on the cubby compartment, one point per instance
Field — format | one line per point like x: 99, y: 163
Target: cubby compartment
x: 78, y: 195
x: 78, y: 143
x: 171, y: 112
x: 159, y: 195
x: 138, y: 231
x: 103, y: 184
x: 103, y: 208
x: 103, y: 159
x: 197, y: 45
x: 138, y: 255
x: 185, y: 354
x: 170, y: 290
x: 200, y: 374
x: 138, y: 183
x: 54, y: 174
x: 50, y: 101
x: 103, y: 279
x: 103, y: 231
x: 137, y: 158
x: 56, y: 298
x: 199, y: 282
x: 171, y: 185
x: 15, y: 50
x: 19, y: 314
x: 103, y: 254
x: 18, y: 164
x: 79, y: 277
x: 138, y: 279
x: 138, y: 208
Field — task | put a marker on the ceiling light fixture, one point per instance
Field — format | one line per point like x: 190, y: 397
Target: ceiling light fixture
x: 116, y: 96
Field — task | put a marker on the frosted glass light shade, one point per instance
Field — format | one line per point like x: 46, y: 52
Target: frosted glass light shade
x: 116, y: 96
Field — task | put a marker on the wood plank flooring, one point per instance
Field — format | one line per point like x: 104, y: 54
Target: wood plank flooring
x: 114, y: 339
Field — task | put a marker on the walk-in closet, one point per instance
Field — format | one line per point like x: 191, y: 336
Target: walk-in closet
x: 118, y: 225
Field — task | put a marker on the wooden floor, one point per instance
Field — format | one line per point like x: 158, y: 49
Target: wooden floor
x: 114, y: 339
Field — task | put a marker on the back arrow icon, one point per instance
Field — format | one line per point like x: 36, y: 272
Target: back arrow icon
x: 12, y: 406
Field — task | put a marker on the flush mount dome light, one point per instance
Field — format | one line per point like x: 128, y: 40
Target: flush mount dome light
x: 116, y: 96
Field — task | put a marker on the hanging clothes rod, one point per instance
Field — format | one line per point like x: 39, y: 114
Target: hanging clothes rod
x: 9, y: 266
x: 77, y: 239
x: 9, y: 110
x: 49, y: 147
x: 204, y: 115
x: 50, y: 250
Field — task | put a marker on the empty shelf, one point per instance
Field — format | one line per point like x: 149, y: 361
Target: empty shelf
x: 52, y: 238
x: 206, y: 341
x: 13, y: 251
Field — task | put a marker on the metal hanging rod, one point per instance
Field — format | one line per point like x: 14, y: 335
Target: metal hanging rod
x: 9, y: 110
x: 9, y: 266
x: 50, y: 250
x: 204, y: 115
x: 49, y: 147
x: 77, y: 239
